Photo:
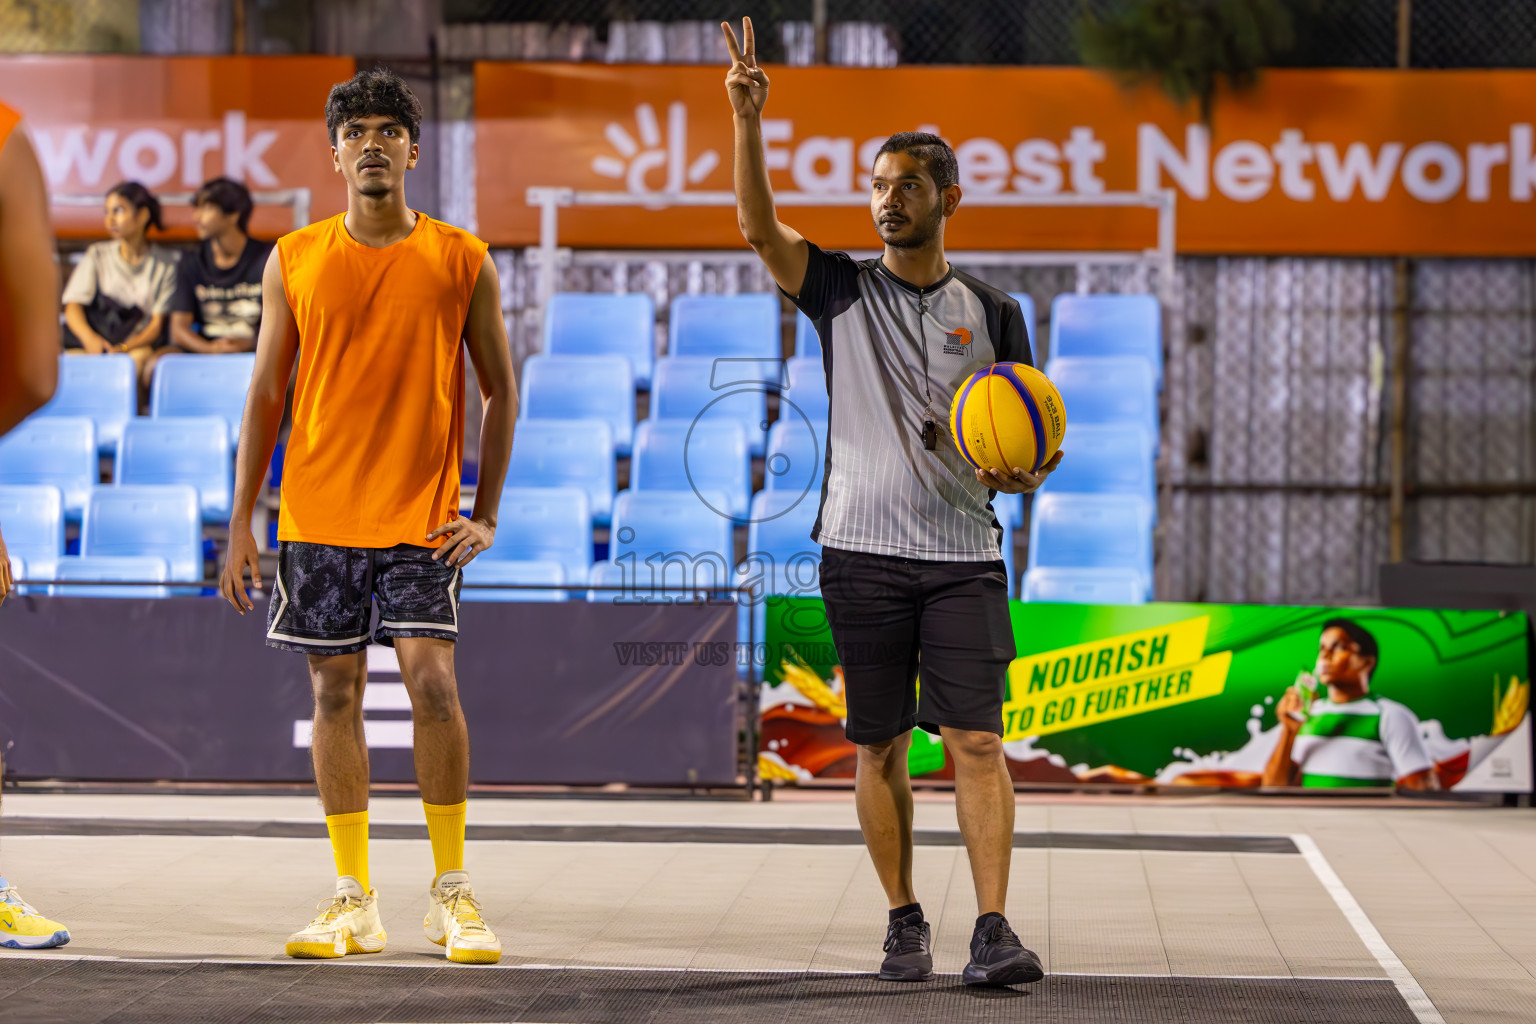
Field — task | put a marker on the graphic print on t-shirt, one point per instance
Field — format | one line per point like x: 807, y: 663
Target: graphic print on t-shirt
x: 229, y: 311
x: 225, y: 302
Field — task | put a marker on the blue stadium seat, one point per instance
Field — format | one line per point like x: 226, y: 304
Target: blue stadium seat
x: 484, y: 571
x: 104, y: 389
x: 182, y: 450
x: 619, y: 586
x: 780, y: 550
x: 582, y: 387
x: 807, y: 341
x: 566, y: 453
x: 32, y: 517
x: 107, y: 568
x: 725, y: 325
x: 581, y: 324
x: 1009, y: 508
x: 687, y: 544
x: 203, y: 385
x: 708, y: 459
x: 1108, y: 325
x: 806, y: 387
x: 1109, y: 389
x: 690, y: 387
x: 782, y: 559
x: 796, y: 456
x: 1084, y: 586
x: 1106, y: 458
x: 147, y: 519
x: 1092, y: 531
x: 57, y: 450
x: 545, y: 524
x: 608, y: 574
x: 1027, y: 307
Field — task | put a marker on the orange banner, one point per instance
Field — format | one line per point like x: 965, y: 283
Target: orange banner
x: 1325, y: 162
x: 173, y: 122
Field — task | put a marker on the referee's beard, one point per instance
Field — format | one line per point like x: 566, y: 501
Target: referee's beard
x: 913, y: 234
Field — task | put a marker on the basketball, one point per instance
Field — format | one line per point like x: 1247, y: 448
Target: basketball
x: 1007, y: 415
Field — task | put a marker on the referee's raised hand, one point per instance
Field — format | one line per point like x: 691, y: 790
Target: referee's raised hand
x: 746, y: 83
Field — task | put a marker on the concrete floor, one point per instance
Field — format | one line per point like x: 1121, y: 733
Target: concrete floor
x: 1452, y: 890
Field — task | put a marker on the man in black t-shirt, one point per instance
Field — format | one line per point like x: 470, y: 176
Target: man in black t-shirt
x: 217, y: 308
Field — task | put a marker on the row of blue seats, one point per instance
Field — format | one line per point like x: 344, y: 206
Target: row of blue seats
x: 1091, y: 525
x: 62, y: 451
x: 717, y: 363
x: 714, y: 461
x: 670, y: 453
x: 747, y: 326
x: 105, y: 390
x: 140, y: 524
x: 685, y: 388
x: 663, y: 544
x: 155, y: 521
x: 1095, y: 390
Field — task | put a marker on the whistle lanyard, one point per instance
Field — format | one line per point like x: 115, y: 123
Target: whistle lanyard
x: 930, y: 432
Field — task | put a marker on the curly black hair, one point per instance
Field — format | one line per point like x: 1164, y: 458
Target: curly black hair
x: 930, y: 151
x: 371, y: 92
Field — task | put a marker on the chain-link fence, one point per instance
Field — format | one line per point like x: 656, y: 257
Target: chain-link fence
x: 1327, y: 33
x: 1275, y: 447
x: 868, y: 33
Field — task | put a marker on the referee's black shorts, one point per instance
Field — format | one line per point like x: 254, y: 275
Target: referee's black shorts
x: 884, y: 611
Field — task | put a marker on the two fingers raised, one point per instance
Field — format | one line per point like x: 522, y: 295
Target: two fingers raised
x: 748, y: 37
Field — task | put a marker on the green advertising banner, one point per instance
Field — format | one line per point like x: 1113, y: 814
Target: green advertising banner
x: 1196, y: 694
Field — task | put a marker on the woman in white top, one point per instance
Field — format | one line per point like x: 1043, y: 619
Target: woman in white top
x: 120, y: 292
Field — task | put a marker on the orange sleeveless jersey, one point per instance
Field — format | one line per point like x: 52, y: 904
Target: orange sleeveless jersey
x: 377, y: 444
x: 9, y: 119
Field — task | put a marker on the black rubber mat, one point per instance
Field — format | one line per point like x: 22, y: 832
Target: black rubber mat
x: 39, y: 991
x: 17, y: 826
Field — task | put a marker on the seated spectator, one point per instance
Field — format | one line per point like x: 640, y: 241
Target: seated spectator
x: 217, y: 307
x: 120, y: 292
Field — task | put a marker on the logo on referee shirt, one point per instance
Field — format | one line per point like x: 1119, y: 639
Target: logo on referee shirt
x: 957, y: 342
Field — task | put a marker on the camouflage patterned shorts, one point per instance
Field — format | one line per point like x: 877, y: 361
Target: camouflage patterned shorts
x: 325, y: 595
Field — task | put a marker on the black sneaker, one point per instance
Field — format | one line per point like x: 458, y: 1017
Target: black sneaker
x: 908, y: 950
x: 999, y: 958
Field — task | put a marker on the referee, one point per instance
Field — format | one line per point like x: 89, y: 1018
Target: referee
x: 910, y: 562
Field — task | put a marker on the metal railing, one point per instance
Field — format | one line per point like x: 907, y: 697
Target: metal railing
x: 297, y: 198
x: 549, y: 256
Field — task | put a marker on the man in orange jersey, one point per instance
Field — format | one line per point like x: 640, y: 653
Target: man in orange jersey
x: 29, y: 371
x: 377, y: 305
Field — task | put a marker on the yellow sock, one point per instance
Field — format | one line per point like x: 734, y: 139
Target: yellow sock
x: 445, y: 827
x: 349, y: 844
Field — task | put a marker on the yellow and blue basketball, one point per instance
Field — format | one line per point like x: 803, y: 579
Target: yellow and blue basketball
x: 1008, y: 415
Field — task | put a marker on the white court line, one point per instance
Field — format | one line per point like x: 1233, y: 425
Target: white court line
x: 680, y: 825
x: 1407, y: 985
x: 354, y: 961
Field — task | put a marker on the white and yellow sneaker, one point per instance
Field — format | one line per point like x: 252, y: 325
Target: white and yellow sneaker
x: 453, y: 920
x: 22, y: 927
x: 348, y: 922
